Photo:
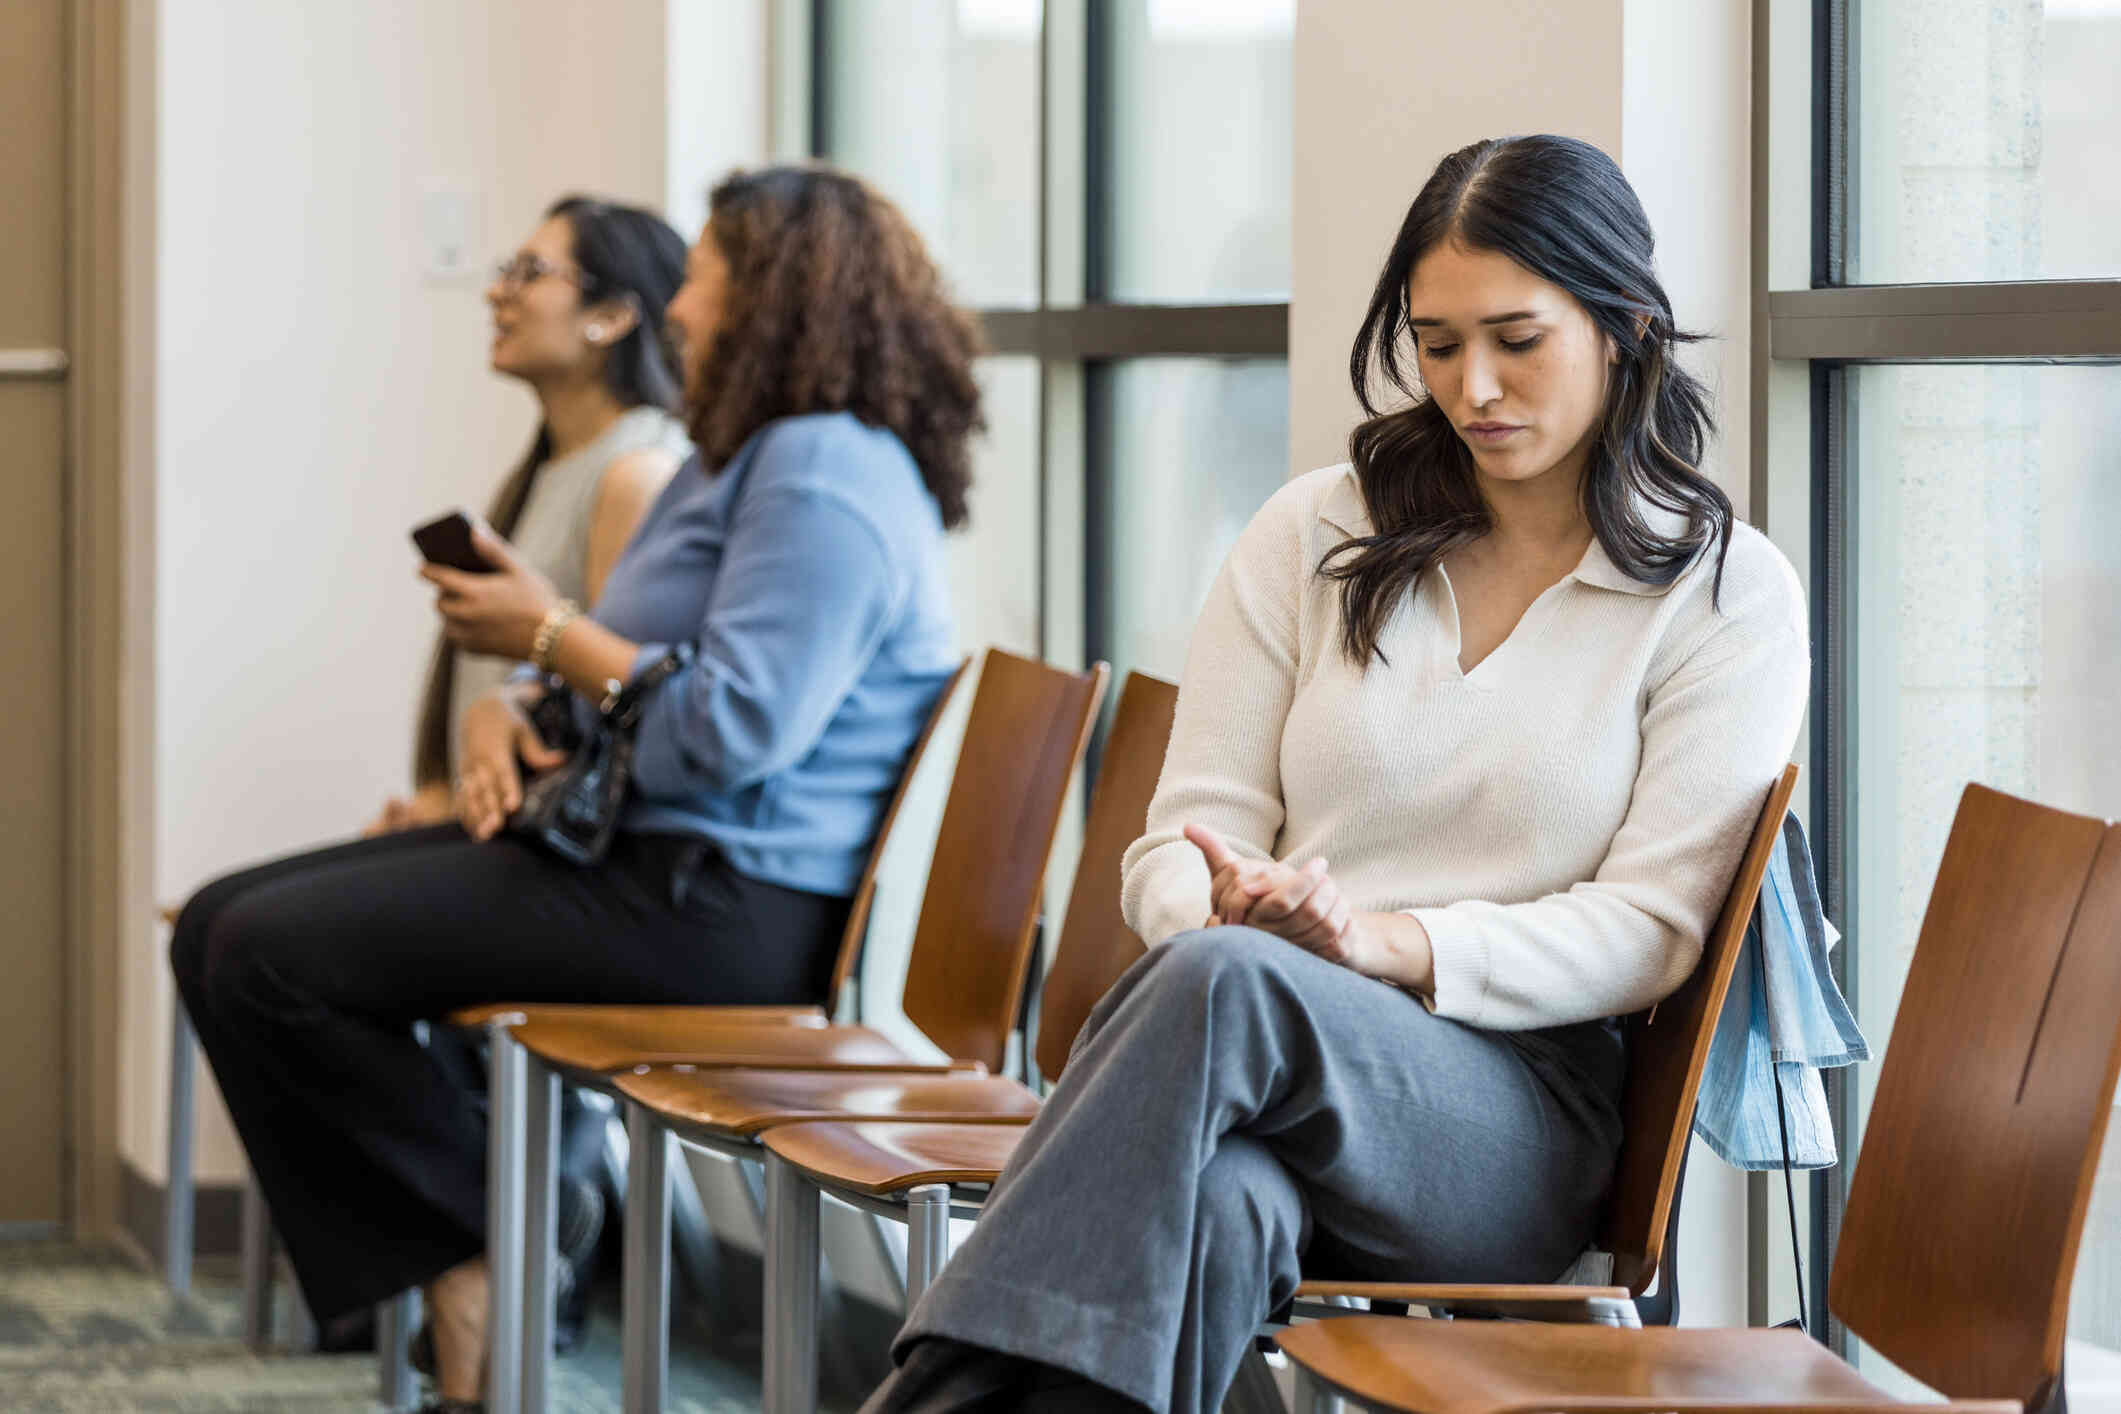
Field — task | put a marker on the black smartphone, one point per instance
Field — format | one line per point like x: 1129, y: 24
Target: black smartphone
x: 446, y: 540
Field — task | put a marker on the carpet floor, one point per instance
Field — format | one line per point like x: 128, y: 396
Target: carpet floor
x: 84, y: 1331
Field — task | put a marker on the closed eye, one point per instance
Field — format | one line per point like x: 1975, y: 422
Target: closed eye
x: 1519, y: 345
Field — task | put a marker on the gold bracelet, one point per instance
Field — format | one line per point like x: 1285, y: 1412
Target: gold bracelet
x: 547, y: 638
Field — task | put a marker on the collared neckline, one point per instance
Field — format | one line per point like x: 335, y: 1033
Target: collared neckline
x: 1343, y: 508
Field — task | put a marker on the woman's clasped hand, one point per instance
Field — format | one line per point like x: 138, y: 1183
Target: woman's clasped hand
x: 497, y: 743
x: 1303, y: 905
x: 1306, y: 906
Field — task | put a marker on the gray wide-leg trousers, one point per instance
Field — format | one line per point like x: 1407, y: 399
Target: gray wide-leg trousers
x: 1236, y: 1103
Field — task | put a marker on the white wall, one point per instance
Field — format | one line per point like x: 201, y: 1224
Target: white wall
x: 1384, y: 89
x: 318, y: 392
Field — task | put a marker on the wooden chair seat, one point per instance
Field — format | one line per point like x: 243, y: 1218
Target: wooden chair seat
x: 479, y: 1016
x: 740, y: 1103
x: 881, y: 1158
x: 600, y: 1041
x: 1451, y: 1367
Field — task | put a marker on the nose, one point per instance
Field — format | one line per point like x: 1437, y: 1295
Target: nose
x: 1483, y: 386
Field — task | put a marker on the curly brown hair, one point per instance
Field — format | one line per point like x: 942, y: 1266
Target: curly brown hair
x: 834, y: 306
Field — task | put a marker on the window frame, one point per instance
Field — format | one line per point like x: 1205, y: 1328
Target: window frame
x: 1074, y: 329
x: 1822, y: 328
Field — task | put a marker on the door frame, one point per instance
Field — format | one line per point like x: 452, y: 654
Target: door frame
x: 109, y: 579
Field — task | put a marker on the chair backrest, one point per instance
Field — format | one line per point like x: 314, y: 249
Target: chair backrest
x: 972, y: 947
x: 1969, y: 1197
x: 1096, y: 945
x: 857, y: 929
x: 1668, y: 1048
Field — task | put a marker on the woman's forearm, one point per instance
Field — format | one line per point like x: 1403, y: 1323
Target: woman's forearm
x: 1394, y: 947
x: 591, y: 657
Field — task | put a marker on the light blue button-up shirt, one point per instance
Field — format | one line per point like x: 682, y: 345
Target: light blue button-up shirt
x: 808, y: 575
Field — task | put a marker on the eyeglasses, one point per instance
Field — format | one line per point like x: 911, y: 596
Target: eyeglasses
x: 520, y: 271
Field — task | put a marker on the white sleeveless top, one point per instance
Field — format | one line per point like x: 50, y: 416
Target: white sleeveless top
x: 553, y: 531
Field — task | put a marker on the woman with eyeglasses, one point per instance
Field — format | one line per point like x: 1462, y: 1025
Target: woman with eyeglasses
x: 793, y: 570
x: 577, y: 316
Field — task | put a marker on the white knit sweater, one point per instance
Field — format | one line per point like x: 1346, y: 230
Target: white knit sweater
x: 1564, y: 820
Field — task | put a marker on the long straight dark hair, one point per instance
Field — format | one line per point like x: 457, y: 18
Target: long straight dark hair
x: 1560, y: 208
x: 626, y: 255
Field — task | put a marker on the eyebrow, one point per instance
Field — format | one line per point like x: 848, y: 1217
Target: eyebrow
x: 1512, y: 317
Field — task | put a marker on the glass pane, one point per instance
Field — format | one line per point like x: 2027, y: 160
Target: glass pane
x: 936, y: 101
x: 1987, y: 610
x: 1197, y: 150
x: 1983, y: 140
x: 1188, y: 450
x: 994, y: 558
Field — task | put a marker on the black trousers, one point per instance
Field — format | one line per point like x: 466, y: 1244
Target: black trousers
x: 304, y: 978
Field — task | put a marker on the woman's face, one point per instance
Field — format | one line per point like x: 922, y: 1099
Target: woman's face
x: 695, y: 311
x: 542, y: 325
x: 1515, y: 362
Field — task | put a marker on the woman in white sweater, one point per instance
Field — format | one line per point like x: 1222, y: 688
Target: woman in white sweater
x: 1471, y: 735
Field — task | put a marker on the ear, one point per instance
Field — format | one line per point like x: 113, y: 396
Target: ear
x: 611, y: 320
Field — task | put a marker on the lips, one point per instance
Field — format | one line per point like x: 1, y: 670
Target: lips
x: 1490, y: 432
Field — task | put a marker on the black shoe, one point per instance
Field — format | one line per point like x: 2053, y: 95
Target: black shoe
x: 439, y: 1405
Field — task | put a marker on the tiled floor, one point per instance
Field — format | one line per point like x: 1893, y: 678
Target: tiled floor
x: 82, y: 1330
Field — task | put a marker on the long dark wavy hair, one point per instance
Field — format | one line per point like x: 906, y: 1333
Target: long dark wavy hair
x: 834, y: 306
x: 1560, y: 208
x: 627, y: 256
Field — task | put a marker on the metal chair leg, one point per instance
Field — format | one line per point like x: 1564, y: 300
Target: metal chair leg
x: 791, y: 1355
x: 927, y: 1237
x: 179, y: 1198
x: 505, y: 1064
x: 540, y: 1233
x: 396, y: 1320
x: 256, y: 1259
x: 644, y: 1333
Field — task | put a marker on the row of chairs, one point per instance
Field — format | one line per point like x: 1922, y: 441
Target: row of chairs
x: 838, y: 1110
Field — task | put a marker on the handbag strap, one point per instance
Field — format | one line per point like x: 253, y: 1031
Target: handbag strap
x: 622, y: 710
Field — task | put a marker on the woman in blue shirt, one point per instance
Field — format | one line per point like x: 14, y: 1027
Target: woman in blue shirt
x: 800, y: 556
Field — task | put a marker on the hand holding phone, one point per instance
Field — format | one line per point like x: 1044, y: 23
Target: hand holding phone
x: 447, y: 540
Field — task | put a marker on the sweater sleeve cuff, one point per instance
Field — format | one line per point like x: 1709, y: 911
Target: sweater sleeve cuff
x: 1458, y: 953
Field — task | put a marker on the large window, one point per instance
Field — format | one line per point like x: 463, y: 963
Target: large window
x: 1107, y: 182
x: 1949, y: 466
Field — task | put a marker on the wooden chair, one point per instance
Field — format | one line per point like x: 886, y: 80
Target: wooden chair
x: 1094, y: 949
x: 1968, y: 1198
x: 869, y: 1163
x: 1028, y: 727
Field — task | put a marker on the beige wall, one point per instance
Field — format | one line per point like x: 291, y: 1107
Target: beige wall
x: 317, y: 392
x: 1383, y: 89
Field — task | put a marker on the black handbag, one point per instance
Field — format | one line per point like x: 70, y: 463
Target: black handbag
x: 573, y: 809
